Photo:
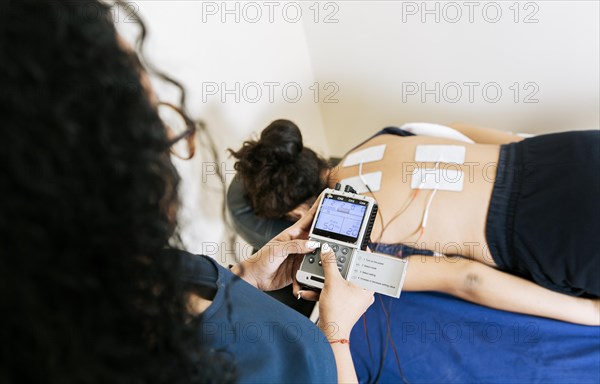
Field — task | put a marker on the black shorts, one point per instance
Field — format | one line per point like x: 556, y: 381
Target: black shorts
x: 543, y: 221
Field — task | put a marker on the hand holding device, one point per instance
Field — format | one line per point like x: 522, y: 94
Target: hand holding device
x: 341, y: 302
x: 274, y: 265
x: 344, y: 221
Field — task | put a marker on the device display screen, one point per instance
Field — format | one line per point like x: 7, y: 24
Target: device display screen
x: 340, y: 218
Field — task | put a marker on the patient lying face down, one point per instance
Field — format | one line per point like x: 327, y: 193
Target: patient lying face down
x: 281, y: 178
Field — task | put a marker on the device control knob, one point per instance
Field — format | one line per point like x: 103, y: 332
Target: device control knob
x: 349, y: 189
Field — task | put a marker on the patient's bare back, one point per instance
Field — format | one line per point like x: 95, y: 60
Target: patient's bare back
x: 455, y: 220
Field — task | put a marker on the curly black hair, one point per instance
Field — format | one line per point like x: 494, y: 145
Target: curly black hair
x: 87, y: 200
x: 278, y: 172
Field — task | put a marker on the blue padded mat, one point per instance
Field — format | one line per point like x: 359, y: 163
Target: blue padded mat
x: 442, y: 339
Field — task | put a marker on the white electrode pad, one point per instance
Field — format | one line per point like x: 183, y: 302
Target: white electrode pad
x: 441, y: 154
x: 443, y: 179
x: 379, y: 273
x: 364, y: 156
x: 373, y: 180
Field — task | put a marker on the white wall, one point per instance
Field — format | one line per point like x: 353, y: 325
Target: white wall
x: 366, y: 52
x: 378, y: 47
x: 192, y: 43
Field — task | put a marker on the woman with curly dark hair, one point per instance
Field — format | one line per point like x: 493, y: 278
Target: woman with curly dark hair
x: 519, y: 239
x: 87, y: 209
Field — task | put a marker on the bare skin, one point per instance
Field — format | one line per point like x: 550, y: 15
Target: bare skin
x: 456, y: 220
x: 456, y: 226
x: 485, y: 285
x: 275, y: 265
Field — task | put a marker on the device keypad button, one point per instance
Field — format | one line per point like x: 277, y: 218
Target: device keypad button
x: 311, y: 259
x: 335, y: 247
x: 345, y: 250
x: 342, y: 259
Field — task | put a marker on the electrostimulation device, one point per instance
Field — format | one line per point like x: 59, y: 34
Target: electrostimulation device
x: 344, y: 220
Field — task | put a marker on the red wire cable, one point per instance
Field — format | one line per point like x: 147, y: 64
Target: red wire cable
x: 391, y: 339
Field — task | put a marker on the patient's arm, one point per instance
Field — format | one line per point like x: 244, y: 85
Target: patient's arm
x: 486, y: 135
x: 485, y: 285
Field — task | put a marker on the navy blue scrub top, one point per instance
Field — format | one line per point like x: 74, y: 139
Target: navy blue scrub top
x: 269, y: 342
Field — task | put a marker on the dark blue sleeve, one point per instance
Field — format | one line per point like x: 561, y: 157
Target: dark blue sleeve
x: 268, y: 341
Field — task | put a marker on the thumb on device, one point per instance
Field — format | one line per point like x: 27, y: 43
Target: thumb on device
x: 329, y: 261
x: 341, y: 302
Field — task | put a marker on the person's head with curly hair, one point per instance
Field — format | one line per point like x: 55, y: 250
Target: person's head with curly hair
x: 87, y: 193
x: 282, y: 178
